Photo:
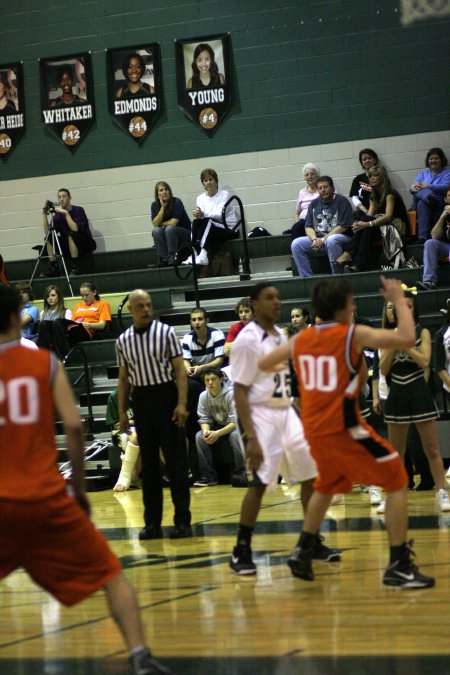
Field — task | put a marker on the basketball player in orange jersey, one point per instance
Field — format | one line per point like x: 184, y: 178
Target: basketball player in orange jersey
x: 44, y: 522
x: 328, y: 361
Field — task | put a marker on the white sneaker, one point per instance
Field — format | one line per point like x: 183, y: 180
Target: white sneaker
x: 202, y: 258
x: 189, y: 261
x: 338, y: 500
x: 443, y: 500
x: 381, y: 508
x: 375, y: 495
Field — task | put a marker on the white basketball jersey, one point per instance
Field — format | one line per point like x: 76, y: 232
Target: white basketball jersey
x: 269, y: 389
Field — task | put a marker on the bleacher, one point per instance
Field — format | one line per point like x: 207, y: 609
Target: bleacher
x: 116, y: 274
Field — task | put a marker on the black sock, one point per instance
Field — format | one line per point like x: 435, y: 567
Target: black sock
x: 399, y: 553
x: 307, y: 540
x: 244, y: 535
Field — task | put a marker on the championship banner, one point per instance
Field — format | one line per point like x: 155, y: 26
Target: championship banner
x: 204, y: 79
x: 67, y: 97
x: 134, y: 88
x: 12, y: 117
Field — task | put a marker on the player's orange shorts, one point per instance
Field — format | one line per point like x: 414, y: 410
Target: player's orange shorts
x: 359, y: 456
x: 57, y: 544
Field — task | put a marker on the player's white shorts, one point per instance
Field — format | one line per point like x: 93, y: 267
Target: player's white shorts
x: 286, y: 450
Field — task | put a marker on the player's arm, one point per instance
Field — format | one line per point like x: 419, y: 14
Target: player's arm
x: 277, y: 358
x: 66, y: 408
x: 253, y: 451
x: 404, y: 336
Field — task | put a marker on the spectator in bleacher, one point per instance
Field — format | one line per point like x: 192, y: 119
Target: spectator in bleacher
x: 71, y: 224
x: 54, y: 308
x: 328, y: 226
x: 437, y: 247
x: 217, y: 421
x: 150, y: 362
x: 171, y: 225
x: 128, y: 443
x: 428, y: 189
x: 208, y: 227
x: 361, y: 188
x: 386, y: 208
x: 90, y: 318
x: 307, y: 194
x: 244, y: 311
x: 203, y: 347
x: 29, y: 313
x: 300, y: 319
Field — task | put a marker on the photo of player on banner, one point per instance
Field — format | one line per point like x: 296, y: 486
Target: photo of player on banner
x: 12, y: 118
x: 203, y: 79
x: 67, y: 97
x: 134, y: 88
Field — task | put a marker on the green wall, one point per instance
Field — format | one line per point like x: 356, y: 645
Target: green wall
x: 305, y: 72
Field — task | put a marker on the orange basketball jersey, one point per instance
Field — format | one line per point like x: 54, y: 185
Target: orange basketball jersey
x: 327, y: 367
x: 28, y: 452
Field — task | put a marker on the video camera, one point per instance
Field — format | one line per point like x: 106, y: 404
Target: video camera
x: 49, y: 207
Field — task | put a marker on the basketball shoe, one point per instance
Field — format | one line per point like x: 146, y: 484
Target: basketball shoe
x: 241, y: 561
x: 143, y: 663
x: 405, y: 574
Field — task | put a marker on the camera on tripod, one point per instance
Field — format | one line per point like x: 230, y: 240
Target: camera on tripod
x: 49, y: 207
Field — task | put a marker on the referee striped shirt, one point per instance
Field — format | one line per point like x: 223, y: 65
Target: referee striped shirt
x: 147, y: 355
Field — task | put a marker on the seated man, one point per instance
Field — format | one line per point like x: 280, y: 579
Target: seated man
x: 217, y: 421
x: 71, y: 225
x: 244, y: 311
x: 327, y: 226
x: 436, y: 247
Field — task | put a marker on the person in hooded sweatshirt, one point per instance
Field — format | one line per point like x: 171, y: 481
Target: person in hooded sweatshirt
x: 217, y: 420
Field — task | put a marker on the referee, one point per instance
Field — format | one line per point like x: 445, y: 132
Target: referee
x: 151, y: 365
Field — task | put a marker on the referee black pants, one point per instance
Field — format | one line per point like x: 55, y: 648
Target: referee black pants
x: 153, y: 407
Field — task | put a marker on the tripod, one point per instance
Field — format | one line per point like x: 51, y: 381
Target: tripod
x: 56, y: 246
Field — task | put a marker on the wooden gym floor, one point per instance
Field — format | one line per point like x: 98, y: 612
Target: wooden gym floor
x: 202, y: 619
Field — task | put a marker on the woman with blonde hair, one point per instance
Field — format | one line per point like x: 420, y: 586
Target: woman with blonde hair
x: 387, y: 210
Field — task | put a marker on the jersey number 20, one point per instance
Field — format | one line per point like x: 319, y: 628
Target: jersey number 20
x: 22, y: 397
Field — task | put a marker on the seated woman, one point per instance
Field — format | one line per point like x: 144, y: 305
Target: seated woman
x: 300, y: 319
x: 208, y: 227
x: 54, y: 308
x: 387, y: 210
x: 171, y: 225
x: 90, y: 317
x: 244, y: 311
x: 361, y: 189
x: 311, y: 174
x: 428, y: 189
x: 29, y: 313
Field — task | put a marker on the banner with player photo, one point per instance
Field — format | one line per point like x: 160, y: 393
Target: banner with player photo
x: 204, y: 79
x: 134, y: 88
x: 67, y: 97
x: 12, y: 116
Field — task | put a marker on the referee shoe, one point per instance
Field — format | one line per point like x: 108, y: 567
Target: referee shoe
x: 241, y: 561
